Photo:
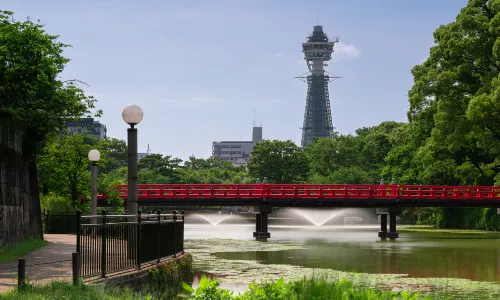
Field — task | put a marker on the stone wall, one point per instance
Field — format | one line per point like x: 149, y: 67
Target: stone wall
x: 20, y: 215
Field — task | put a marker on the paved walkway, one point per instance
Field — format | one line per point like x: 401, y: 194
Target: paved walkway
x: 52, y: 262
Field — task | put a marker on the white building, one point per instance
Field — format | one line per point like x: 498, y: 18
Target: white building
x: 237, y: 152
x: 144, y: 154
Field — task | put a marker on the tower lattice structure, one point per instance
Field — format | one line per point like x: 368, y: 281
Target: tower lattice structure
x: 318, y: 115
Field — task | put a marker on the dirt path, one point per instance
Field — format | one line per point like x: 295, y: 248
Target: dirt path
x: 52, y: 262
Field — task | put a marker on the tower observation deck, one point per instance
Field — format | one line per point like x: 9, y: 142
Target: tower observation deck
x: 318, y: 115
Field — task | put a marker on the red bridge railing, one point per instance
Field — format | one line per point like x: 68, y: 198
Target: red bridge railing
x: 296, y: 191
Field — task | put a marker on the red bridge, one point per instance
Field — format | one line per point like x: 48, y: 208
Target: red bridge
x: 312, y: 195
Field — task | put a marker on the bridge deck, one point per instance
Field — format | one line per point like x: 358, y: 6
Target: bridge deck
x: 332, y: 195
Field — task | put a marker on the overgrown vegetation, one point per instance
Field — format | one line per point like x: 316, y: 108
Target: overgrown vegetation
x: 308, y: 288
x: 65, y: 290
x: 10, y: 253
x: 210, y: 290
x: 166, y: 280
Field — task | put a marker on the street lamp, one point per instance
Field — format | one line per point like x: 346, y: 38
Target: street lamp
x: 94, y: 156
x: 132, y: 114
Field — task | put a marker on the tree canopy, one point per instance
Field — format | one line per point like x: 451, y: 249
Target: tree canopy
x: 453, y: 136
x: 279, y: 161
x: 32, y: 94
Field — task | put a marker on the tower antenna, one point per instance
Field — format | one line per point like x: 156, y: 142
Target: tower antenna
x: 254, y: 117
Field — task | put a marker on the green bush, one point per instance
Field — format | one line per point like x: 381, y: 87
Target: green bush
x: 56, y: 203
x: 165, y: 281
x: 306, y: 289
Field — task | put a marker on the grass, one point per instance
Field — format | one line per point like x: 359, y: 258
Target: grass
x: 10, y: 253
x: 65, y: 290
x: 307, y: 288
x: 429, y: 228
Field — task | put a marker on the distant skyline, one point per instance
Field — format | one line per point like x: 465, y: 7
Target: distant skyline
x: 200, y: 68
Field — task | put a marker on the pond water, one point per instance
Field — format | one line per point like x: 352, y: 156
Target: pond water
x: 357, y: 248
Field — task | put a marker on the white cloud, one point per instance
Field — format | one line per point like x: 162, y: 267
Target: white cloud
x: 278, y: 55
x: 343, y: 51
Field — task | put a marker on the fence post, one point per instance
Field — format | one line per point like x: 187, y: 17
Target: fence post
x: 182, y: 226
x: 75, y: 261
x: 21, y: 273
x: 67, y: 220
x: 103, y: 245
x: 47, y: 229
x: 159, y: 235
x: 138, y: 241
x: 175, y: 235
x: 78, y: 229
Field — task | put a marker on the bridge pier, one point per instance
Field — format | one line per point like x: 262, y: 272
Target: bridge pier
x: 261, y: 222
x: 383, y: 226
x: 392, y: 234
x: 392, y: 213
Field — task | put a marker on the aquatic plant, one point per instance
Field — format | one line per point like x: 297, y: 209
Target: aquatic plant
x: 307, y: 288
x: 244, y: 271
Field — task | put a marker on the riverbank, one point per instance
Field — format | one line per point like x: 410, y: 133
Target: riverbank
x: 240, y: 272
x: 430, y: 228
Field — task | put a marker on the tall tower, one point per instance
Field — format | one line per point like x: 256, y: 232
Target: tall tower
x: 317, y: 116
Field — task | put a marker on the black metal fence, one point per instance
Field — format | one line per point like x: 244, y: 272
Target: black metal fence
x: 59, y: 222
x: 111, y: 243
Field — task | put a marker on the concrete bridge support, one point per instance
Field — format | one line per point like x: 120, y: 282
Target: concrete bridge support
x: 392, y: 212
x: 261, y: 222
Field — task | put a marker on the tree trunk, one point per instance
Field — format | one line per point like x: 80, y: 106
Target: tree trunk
x: 74, y: 194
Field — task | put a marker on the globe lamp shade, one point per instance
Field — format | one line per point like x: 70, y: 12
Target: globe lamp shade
x: 132, y: 114
x: 94, y: 155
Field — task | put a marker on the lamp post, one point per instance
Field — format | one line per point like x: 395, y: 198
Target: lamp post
x: 132, y: 115
x: 94, y: 156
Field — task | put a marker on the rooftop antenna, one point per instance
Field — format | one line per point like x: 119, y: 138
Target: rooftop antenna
x: 254, y: 117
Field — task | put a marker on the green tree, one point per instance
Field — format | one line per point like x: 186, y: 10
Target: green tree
x: 212, y: 170
x: 351, y: 158
x: 33, y: 97
x: 453, y: 135
x: 159, y: 165
x: 454, y: 102
x: 279, y: 161
x: 31, y: 91
x: 116, y: 154
x: 64, y: 166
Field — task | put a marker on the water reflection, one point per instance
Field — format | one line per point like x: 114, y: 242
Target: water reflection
x: 357, y: 248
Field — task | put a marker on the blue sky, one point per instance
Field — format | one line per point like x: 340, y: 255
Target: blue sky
x: 199, y: 68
